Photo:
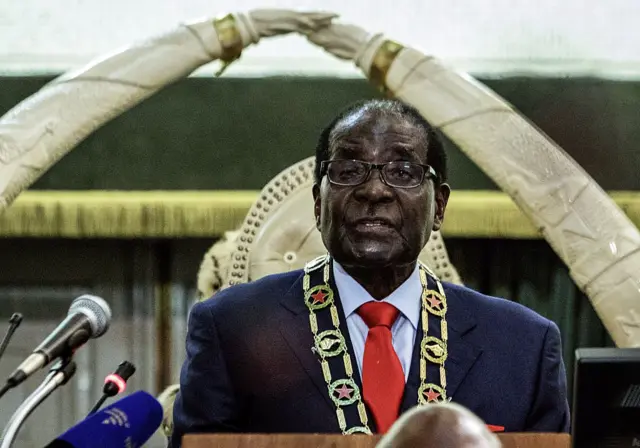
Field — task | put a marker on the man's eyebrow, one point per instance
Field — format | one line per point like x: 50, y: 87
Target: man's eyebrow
x: 399, y: 147
x: 405, y: 151
x: 346, y: 150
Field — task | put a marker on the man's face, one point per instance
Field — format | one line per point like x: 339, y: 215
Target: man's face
x: 373, y: 224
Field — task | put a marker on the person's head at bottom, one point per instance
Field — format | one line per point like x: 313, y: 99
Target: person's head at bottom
x: 445, y: 425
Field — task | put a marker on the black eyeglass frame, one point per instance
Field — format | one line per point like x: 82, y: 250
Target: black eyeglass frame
x: 426, y: 170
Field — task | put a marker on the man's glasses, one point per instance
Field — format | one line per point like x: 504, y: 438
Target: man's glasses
x: 398, y: 174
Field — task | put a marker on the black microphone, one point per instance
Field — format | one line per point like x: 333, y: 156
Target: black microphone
x: 89, y: 317
x: 115, y: 383
x: 14, y: 323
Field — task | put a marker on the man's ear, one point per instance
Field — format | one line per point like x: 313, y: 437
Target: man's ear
x: 442, y: 198
x: 317, y: 203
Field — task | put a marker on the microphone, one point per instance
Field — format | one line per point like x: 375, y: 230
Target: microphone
x: 89, y: 317
x: 129, y: 422
x: 14, y: 323
x: 115, y: 383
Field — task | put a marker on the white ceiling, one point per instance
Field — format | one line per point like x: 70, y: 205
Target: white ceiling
x: 570, y: 37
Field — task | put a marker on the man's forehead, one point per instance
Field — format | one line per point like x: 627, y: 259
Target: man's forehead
x: 366, y: 123
x: 357, y: 130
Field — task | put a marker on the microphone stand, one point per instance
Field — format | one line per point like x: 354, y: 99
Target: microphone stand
x: 58, y: 375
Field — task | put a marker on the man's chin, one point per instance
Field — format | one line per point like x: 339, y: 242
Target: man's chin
x: 372, y: 257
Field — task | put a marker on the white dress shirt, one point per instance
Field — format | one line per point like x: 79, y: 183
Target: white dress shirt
x: 406, y: 298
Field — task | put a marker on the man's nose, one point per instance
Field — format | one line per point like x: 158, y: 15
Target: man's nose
x: 374, y: 188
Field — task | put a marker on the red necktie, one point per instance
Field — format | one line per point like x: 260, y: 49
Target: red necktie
x: 382, y: 375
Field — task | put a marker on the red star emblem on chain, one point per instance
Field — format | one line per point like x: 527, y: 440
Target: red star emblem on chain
x: 319, y: 297
x: 431, y: 395
x: 344, y: 392
x: 434, y: 301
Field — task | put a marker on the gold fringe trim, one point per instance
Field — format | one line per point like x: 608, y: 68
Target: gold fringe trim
x: 125, y: 214
x: 171, y: 214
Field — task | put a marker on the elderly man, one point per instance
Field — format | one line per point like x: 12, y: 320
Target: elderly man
x: 367, y: 332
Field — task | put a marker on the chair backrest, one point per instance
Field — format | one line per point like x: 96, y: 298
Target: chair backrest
x: 279, y: 232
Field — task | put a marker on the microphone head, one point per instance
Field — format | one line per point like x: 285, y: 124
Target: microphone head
x: 130, y: 421
x: 97, y: 311
x: 116, y: 382
x: 125, y: 370
x: 16, y: 318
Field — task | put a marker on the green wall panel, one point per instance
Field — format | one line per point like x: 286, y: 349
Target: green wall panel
x: 204, y: 133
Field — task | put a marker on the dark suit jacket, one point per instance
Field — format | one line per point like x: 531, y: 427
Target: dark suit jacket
x: 250, y: 367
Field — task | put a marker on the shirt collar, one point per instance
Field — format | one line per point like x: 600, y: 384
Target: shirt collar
x: 406, y: 298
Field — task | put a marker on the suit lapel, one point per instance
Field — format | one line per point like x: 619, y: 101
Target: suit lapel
x: 461, y: 353
x: 296, y: 330
x: 462, y: 356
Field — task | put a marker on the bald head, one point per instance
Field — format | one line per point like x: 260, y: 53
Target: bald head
x: 447, y: 425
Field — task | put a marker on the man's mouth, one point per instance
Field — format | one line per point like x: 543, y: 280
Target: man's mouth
x: 373, y: 224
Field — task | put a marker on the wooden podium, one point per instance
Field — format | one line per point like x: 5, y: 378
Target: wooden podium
x: 509, y: 440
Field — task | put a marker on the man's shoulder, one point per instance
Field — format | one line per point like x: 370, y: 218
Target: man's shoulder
x: 496, y: 311
x: 251, y: 296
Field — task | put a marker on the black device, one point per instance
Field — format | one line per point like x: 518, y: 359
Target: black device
x: 115, y: 383
x: 606, y: 398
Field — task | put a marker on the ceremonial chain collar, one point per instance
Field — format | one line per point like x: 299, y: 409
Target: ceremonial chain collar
x: 330, y: 343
